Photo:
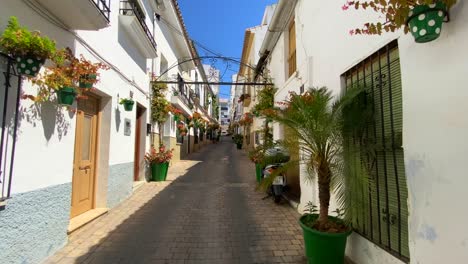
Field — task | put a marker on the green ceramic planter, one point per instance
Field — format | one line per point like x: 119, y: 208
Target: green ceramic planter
x: 128, y: 105
x: 159, y: 171
x: 29, y: 65
x: 239, y: 146
x: 87, y: 81
x: 66, y: 96
x: 324, y: 247
x: 425, y: 21
x: 258, y: 172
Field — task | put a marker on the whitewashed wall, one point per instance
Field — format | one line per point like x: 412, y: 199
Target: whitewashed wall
x: 434, y: 129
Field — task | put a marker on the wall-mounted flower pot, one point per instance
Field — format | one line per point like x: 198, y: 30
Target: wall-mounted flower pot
x: 87, y: 81
x: 323, y: 247
x: 159, y: 171
x: 29, y: 65
x: 66, y: 96
x: 128, y: 105
x: 425, y: 21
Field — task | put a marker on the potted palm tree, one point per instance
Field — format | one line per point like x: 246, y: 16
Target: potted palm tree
x: 159, y: 162
x: 320, y: 125
x: 29, y: 48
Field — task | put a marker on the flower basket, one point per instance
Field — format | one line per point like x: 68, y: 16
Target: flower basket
x: 29, y: 65
x: 159, y: 171
x: 425, y: 21
x: 87, y: 81
x: 66, y: 96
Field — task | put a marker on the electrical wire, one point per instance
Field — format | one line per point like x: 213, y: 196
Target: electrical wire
x: 40, y: 10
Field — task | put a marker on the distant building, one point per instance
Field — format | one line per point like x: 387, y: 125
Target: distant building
x: 224, y: 117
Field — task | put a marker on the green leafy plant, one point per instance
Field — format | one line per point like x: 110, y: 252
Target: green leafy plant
x: 317, y: 122
x: 257, y: 155
x: 265, y: 105
x: 238, y: 139
x: 126, y: 100
x: 19, y: 41
x: 395, y: 14
x: 160, y: 107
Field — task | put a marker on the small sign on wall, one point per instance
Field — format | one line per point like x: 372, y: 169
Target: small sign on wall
x: 127, y: 127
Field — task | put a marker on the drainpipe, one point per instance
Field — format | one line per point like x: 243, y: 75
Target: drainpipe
x: 283, y: 12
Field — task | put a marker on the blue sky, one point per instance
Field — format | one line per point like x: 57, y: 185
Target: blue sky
x: 220, y: 26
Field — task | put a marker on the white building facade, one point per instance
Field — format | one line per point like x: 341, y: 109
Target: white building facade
x: 51, y: 192
x: 420, y: 177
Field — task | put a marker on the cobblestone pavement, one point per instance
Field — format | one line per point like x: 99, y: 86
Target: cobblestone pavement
x: 208, y: 212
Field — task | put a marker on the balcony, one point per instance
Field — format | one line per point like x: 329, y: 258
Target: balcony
x: 132, y: 18
x: 80, y: 14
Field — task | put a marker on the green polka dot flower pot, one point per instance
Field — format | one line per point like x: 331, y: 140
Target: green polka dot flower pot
x: 29, y: 65
x: 425, y: 21
x: 66, y: 96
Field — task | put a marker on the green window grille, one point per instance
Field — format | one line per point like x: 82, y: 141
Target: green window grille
x: 383, y: 218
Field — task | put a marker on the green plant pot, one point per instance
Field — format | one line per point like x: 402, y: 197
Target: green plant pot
x: 239, y: 146
x: 128, y: 105
x: 66, y: 96
x: 87, y: 81
x: 159, y: 171
x: 258, y: 172
x: 324, y: 247
x: 425, y: 21
x: 29, y: 65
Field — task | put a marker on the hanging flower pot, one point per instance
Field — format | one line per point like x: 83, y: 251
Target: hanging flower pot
x: 66, y: 96
x: 29, y: 65
x: 425, y: 21
x: 127, y: 103
x: 87, y: 81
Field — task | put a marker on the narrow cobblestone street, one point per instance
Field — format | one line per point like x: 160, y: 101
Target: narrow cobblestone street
x: 208, y: 212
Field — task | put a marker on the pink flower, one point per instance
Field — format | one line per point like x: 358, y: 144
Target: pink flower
x: 345, y: 7
x: 351, y: 32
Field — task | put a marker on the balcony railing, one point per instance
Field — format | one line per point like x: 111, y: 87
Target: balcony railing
x: 132, y: 8
x: 104, y: 7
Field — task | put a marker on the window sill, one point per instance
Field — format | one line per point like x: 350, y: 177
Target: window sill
x: 2, y: 205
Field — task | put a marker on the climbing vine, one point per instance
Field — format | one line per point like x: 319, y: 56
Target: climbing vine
x: 160, y: 107
x: 265, y: 104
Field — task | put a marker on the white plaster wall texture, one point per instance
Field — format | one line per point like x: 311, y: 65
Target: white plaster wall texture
x: 53, y: 136
x: 433, y: 108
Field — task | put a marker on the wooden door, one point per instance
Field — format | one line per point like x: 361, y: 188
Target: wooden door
x: 139, y: 119
x: 84, y: 164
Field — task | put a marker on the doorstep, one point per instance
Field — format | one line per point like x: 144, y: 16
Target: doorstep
x: 85, y: 218
x: 294, y: 204
x: 137, y: 185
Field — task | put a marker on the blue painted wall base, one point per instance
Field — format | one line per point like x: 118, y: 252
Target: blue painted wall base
x: 34, y: 224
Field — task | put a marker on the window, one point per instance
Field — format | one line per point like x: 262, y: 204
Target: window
x: 384, y: 216
x: 292, y: 49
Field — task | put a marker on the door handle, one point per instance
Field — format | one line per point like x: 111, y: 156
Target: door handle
x: 85, y: 167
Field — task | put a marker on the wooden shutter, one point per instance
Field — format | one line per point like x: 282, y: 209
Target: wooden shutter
x: 384, y: 220
x: 292, y: 49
